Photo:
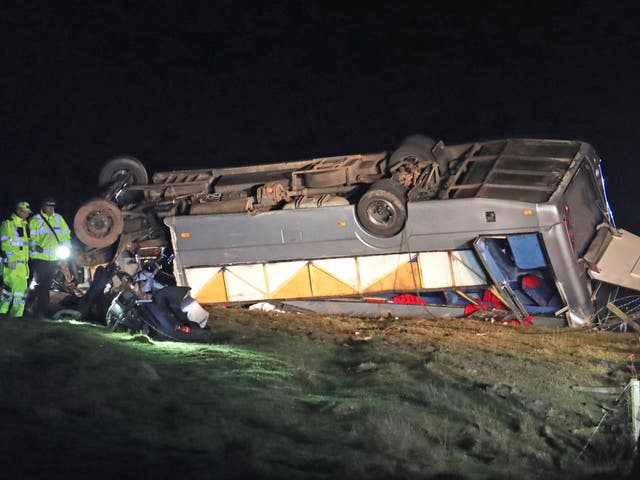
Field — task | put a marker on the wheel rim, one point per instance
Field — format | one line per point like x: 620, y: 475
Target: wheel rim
x: 119, y: 175
x: 381, y: 213
x: 99, y: 223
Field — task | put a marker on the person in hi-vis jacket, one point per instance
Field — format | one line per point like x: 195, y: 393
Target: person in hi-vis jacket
x: 14, y: 242
x: 50, y: 243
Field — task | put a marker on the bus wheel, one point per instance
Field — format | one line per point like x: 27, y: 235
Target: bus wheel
x: 128, y: 170
x: 98, y: 223
x: 416, y: 146
x: 382, y: 210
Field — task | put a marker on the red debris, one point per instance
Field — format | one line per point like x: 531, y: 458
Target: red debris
x: 408, y: 298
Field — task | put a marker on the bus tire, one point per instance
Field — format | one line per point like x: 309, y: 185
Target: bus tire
x: 382, y: 210
x: 98, y: 223
x: 118, y: 169
x: 414, y: 146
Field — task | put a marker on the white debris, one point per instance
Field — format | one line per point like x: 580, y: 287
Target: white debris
x: 265, y: 307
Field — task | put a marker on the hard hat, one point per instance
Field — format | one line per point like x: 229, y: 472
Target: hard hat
x: 24, y: 206
x: 49, y: 202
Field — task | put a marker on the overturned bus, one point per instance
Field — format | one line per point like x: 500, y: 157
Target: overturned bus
x: 526, y: 219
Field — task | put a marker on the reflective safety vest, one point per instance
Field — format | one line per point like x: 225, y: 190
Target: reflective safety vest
x: 43, y: 241
x: 14, y: 239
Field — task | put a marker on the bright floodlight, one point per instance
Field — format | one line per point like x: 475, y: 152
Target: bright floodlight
x: 63, y: 252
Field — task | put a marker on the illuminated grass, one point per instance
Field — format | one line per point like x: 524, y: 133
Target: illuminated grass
x: 294, y: 408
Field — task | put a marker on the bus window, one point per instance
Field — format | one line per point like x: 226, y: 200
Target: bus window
x: 584, y: 207
x: 527, y: 253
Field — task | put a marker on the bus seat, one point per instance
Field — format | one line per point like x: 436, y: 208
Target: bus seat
x: 538, y: 289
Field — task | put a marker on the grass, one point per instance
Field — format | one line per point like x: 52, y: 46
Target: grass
x: 294, y: 396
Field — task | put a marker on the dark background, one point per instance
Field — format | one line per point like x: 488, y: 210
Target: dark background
x: 231, y: 83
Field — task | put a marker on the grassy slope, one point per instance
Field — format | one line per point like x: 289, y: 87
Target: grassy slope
x: 299, y: 396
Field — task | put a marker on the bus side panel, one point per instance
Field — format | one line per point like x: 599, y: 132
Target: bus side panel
x: 333, y: 232
x: 336, y: 277
x: 330, y: 232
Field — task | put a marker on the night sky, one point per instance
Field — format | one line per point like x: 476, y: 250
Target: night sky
x: 231, y: 83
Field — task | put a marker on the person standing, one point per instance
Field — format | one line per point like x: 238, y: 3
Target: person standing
x: 50, y: 242
x: 14, y: 241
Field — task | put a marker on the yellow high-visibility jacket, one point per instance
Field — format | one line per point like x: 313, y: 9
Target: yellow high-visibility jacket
x: 43, y: 241
x: 14, y: 240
